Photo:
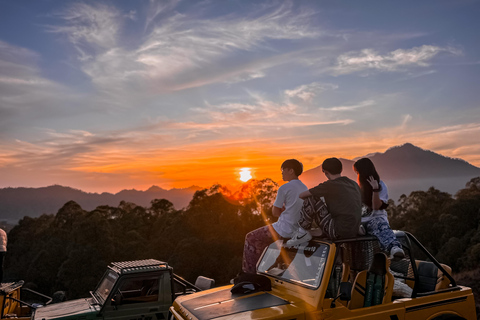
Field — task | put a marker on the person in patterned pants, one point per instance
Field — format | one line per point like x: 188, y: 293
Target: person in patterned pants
x: 314, y: 214
x: 255, y: 243
x: 343, y: 199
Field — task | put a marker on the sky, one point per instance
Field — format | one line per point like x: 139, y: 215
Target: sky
x: 109, y: 95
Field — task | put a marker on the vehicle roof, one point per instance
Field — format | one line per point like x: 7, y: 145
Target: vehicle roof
x: 125, y: 267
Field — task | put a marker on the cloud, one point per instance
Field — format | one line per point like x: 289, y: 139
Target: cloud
x: 406, y: 119
x: 369, y: 59
x: 177, y: 50
x: 25, y: 95
x: 90, y: 27
x: 362, y: 104
x: 309, y: 91
x: 245, y: 76
x: 156, y: 8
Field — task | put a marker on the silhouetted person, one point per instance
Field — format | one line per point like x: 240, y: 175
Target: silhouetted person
x: 335, y: 205
x: 286, y: 207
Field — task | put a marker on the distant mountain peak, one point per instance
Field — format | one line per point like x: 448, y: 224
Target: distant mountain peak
x: 408, y: 147
x: 154, y: 189
x: 405, y: 147
x: 407, y: 168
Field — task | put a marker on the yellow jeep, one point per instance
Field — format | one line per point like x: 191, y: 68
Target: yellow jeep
x: 345, y: 279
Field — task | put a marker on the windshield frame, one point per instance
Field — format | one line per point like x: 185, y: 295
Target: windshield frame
x: 319, y: 252
x: 107, y: 282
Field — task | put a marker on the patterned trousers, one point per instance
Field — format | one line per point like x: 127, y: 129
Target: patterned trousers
x: 379, y: 227
x: 314, y: 211
x: 255, y: 243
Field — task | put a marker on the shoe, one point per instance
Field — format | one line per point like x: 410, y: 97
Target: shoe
x: 299, y: 238
x: 361, y: 230
x: 397, y: 254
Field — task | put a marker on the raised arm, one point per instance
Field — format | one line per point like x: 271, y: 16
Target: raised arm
x: 305, y: 194
x: 376, y: 202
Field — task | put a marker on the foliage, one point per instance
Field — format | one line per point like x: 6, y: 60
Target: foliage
x: 448, y: 226
x: 70, y: 250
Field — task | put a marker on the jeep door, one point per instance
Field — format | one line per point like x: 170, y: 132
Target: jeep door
x: 140, y: 297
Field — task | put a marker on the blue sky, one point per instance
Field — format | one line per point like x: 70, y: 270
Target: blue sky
x: 107, y: 95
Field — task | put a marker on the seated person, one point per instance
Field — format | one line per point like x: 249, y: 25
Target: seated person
x: 341, y: 196
x: 286, y: 207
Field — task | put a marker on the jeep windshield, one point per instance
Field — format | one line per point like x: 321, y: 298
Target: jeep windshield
x: 105, y: 287
x: 301, y: 264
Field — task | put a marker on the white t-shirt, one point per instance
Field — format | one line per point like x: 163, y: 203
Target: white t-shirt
x: 287, y: 196
x: 383, y: 194
x: 3, y: 241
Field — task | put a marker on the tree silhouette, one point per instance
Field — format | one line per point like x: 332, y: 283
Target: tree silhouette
x: 70, y: 250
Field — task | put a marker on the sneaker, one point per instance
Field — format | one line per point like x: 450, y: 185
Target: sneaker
x: 397, y: 254
x: 299, y: 238
x: 361, y: 230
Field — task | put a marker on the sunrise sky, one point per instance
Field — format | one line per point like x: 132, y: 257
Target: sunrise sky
x: 112, y: 95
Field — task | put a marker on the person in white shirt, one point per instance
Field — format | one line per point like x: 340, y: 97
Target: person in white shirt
x: 286, y: 207
x: 3, y: 250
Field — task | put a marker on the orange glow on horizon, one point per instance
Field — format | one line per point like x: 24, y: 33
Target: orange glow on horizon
x: 204, y: 164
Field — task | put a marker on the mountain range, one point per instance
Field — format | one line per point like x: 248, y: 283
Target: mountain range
x: 15, y: 203
x: 404, y: 169
x: 408, y: 168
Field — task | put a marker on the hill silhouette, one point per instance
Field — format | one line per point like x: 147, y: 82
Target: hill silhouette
x: 15, y: 203
x: 408, y: 168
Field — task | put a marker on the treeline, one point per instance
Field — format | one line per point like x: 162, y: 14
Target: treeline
x: 449, y: 227
x: 70, y: 250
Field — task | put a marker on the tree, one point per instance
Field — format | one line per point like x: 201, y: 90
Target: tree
x: 418, y: 213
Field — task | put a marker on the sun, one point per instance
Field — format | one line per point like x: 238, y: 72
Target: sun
x: 245, y: 174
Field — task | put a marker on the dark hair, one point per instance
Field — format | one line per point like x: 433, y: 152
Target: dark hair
x: 332, y: 165
x: 365, y: 168
x: 294, y: 164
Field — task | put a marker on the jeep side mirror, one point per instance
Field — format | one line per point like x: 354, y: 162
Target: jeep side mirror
x: 345, y: 293
x: 116, y: 300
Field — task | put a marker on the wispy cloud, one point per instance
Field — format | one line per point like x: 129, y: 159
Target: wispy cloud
x: 156, y: 8
x: 362, y: 104
x: 90, y: 27
x: 309, y: 91
x: 245, y: 76
x: 406, y: 119
x: 370, y: 59
x: 25, y: 95
x: 180, y: 52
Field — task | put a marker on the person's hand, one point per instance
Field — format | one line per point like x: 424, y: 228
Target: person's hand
x: 373, y: 182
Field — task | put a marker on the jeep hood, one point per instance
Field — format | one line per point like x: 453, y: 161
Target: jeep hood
x: 223, y: 303
x: 68, y: 310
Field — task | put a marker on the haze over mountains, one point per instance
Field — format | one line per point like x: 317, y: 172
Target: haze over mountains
x: 408, y: 168
x: 15, y: 203
x: 404, y: 169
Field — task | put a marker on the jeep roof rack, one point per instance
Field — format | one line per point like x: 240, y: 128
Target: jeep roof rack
x: 138, y: 265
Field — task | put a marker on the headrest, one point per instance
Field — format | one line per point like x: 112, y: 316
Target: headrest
x: 379, y: 264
